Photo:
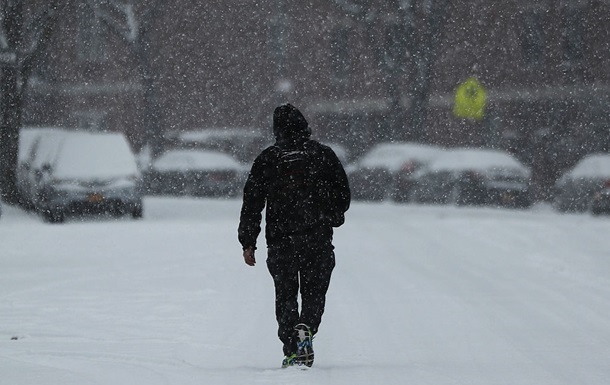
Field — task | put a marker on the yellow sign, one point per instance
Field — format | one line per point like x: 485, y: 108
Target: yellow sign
x: 470, y: 99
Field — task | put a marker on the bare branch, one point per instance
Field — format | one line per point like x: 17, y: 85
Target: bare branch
x: 40, y: 39
x: 118, y: 16
x: 38, y: 25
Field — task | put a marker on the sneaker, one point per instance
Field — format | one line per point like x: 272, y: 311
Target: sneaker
x: 289, y: 361
x: 304, y: 345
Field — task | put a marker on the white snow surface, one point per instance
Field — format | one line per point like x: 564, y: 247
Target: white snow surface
x: 420, y: 295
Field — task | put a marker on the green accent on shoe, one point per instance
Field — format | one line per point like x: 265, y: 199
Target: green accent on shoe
x: 289, y: 360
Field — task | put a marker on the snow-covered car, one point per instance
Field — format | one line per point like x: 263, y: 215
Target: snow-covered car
x: 576, y: 188
x: 84, y: 173
x: 195, y: 172
x: 28, y: 140
x: 386, y: 170
x: 242, y: 143
x: 468, y: 176
x: 39, y: 148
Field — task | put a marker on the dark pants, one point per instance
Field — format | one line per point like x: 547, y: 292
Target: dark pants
x: 304, y: 262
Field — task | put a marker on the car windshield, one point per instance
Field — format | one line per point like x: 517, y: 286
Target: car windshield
x: 89, y: 156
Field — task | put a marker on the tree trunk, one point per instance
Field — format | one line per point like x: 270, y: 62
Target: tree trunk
x: 425, y: 56
x: 11, y: 111
x: 152, y: 110
x: 10, y: 106
x: 26, y: 49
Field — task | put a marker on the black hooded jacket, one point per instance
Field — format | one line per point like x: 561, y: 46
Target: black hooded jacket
x: 301, y: 181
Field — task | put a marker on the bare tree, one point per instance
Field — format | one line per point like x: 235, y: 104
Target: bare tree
x: 424, y: 50
x: 408, y: 51
x: 133, y: 25
x: 25, y: 31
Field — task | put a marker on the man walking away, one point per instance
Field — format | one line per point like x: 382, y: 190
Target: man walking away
x: 305, y: 191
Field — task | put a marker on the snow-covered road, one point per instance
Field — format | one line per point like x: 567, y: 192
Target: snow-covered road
x: 420, y: 295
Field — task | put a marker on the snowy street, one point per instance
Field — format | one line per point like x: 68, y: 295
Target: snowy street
x: 420, y: 295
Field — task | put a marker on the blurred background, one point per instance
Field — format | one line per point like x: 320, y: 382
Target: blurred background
x: 527, y: 77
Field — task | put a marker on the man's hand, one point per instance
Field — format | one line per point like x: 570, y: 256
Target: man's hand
x: 249, y: 256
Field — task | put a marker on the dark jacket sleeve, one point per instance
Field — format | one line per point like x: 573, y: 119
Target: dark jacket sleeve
x: 339, y: 191
x: 254, y: 199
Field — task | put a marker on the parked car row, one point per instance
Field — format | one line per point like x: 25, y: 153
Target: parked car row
x: 63, y: 173
x: 472, y: 176
x: 430, y: 174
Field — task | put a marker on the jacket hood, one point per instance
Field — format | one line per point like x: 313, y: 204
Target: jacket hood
x: 289, y: 123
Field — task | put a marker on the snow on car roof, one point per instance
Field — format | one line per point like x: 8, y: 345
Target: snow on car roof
x: 86, y: 155
x: 476, y: 159
x: 594, y: 165
x: 394, y: 155
x: 211, y: 134
x: 185, y: 160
